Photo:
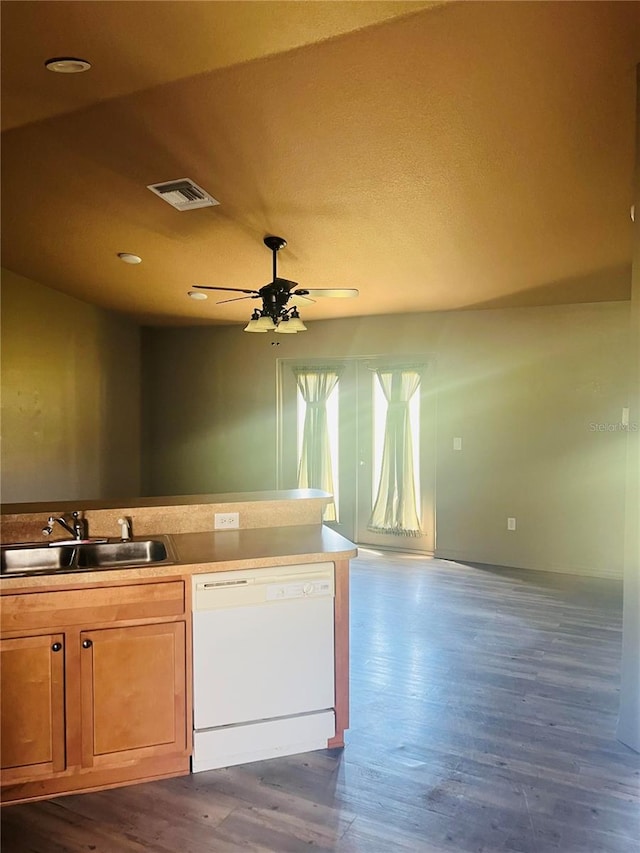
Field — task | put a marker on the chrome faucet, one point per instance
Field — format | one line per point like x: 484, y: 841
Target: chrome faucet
x: 78, y: 530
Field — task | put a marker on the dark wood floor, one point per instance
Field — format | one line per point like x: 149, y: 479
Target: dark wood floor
x: 483, y: 719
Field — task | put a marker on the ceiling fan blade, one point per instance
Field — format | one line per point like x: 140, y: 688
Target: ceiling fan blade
x: 338, y: 292
x: 233, y: 289
x: 237, y: 299
x: 300, y: 297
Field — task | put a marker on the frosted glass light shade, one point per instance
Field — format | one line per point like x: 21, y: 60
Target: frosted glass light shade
x: 296, y: 324
x: 252, y: 326
x: 285, y: 327
x: 265, y: 324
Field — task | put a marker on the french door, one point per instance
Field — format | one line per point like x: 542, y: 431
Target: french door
x: 356, y: 418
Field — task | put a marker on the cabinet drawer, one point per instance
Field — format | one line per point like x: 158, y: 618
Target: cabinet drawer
x: 93, y: 605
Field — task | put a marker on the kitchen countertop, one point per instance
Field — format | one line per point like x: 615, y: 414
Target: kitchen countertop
x: 218, y: 551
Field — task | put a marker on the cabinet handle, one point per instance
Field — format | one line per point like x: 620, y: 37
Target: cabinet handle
x: 56, y: 647
x: 86, y: 644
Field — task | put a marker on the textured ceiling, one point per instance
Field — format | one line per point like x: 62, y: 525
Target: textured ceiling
x: 455, y: 155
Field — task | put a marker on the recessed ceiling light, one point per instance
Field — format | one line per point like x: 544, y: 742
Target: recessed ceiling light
x: 128, y: 258
x: 67, y: 65
x: 196, y: 294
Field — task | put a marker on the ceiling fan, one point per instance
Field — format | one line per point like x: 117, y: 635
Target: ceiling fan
x: 274, y: 314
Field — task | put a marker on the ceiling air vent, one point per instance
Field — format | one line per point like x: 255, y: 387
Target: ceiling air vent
x: 183, y: 194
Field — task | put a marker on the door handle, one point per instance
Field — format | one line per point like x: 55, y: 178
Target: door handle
x: 56, y: 647
x: 86, y: 644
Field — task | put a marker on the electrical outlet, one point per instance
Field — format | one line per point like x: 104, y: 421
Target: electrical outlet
x: 226, y: 520
x: 511, y: 524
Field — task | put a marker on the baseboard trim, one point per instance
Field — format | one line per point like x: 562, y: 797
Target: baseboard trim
x: 562, y: 569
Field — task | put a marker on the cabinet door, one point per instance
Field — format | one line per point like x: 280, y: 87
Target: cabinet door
x: 133, y: 693
x: 32, y: 713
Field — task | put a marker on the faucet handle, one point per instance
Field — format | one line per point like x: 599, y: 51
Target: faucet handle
x: 48, y: 528
x: 79, y: 525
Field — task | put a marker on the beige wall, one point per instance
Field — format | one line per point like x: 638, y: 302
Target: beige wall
x: 70, y: 397
x: 629, y: 722
x: 521, y: 387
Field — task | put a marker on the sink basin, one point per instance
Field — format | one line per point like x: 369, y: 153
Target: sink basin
x: 132, y: 553
x: 20, y: 559
x: 88, y: 556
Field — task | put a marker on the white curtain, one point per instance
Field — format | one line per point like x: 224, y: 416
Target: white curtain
x: 315, y: 469
x: 395, y: 510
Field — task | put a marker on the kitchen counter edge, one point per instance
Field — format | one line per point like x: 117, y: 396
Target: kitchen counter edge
x: 197, y: 553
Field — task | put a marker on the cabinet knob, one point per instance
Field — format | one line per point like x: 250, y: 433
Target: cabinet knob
x: 86, y: 644
x: 56, y: 647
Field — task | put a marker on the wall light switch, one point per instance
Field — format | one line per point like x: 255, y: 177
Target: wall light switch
x: 511, y: 524
x: 625, y: 416
x: 457, y: 444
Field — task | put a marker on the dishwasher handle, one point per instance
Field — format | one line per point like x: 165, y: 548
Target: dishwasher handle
x: 225, y: 584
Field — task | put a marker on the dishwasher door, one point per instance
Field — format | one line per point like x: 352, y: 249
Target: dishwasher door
x: 263, y: 644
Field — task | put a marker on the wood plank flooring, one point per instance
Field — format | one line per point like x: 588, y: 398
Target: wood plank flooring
x: 484, y: 705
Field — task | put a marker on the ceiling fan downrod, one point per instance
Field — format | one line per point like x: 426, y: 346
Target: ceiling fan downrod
x: 274, y: 244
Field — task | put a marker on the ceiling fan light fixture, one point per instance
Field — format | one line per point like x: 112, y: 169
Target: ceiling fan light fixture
x: 265, y: 324
x: 275, y: 316
x: 252, y: 325
x: 285, y: 327
x: 295, y: 322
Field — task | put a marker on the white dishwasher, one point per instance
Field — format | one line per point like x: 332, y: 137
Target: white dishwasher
x: 263, y: 664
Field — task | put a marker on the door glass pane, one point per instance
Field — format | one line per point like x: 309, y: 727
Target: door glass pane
x: 379, y: 420
x: 414, y: 420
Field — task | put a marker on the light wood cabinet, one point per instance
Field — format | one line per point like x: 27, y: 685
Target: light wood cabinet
x: 133, y: 684
x: 32, y: 703
x: 95, y: 688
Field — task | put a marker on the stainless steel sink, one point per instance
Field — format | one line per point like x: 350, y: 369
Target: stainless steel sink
x: 83, y: 557
x: 23, y: 559
x: 133, y: 553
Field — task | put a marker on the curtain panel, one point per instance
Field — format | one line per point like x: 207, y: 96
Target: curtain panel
x: 315, y: 470
x: 395, y: 509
